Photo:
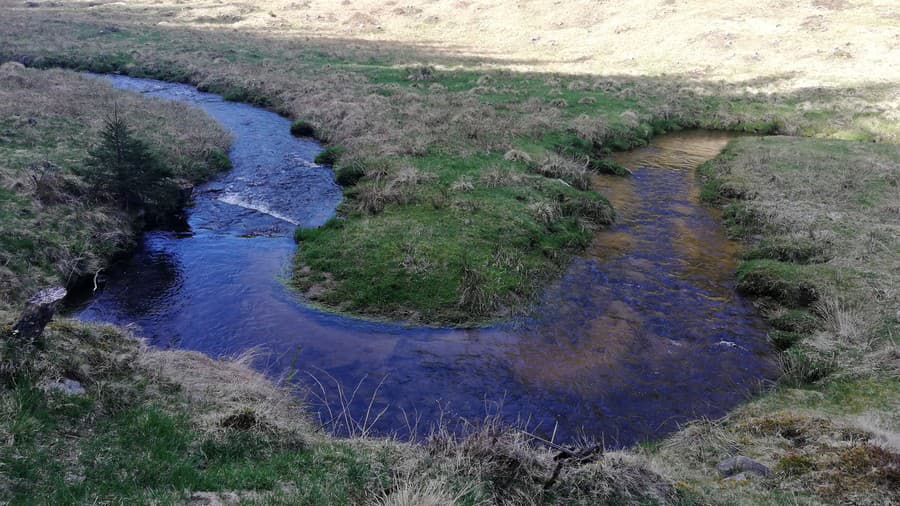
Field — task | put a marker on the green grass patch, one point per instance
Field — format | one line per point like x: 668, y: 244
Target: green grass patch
x: 796, y: 320
x: 784, y: 282
x: 330, y: 155
x: 424, y: 255
x: 836, y: 396
x: 783, y: 339
x: 303, y: 128
x: 66, y: 456
x: 788, y: 249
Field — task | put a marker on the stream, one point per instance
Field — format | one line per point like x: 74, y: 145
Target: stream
x: 643, y: 332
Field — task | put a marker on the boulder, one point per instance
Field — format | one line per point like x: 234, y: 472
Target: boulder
x: 37, y: 314
x: 68, y: 386
x: 741, y: 466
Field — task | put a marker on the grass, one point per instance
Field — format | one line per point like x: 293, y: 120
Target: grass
x: 425, y: 242
x: 133, y: 436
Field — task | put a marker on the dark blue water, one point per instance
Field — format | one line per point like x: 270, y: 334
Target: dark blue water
x: 643, y: 332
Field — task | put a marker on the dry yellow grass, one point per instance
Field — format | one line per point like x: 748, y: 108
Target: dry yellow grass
x: 218, y: 389
x: 799, y: 44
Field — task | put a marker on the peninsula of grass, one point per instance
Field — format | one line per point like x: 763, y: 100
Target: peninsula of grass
x: 89, y: 414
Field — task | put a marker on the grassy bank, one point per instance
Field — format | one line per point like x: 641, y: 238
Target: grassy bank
x: 821, y: 222
x: 55, y: 229
x: 481, y: 169
x: 175, y: 427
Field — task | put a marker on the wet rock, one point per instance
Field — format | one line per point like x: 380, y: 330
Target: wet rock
x: 185, y: 191
x: 741, y: 465
x: 37, y: 314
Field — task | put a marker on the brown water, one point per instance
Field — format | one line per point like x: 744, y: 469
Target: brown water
x: 642, y: 332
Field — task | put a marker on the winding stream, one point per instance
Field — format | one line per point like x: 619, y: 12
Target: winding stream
x: 644, y: 331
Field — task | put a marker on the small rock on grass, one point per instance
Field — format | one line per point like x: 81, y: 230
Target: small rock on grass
x: 741, y: 468
x: 68, y: 386
x: 741, y: 477
x: 213, y: 498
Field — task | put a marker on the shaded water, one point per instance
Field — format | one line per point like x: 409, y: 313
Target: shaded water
x: 643, y: 331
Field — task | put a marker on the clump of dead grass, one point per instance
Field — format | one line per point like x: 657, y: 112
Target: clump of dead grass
x: 493, y: 462
x: 500, y: 176
x: 565, y: 169
x: 473, y: 291
x: 222, y: 390
x: 515, y: 155
x: 560, y: 103
x: 386, y: 188
x: 594, y: 129
x: 545, y: 212
x: 414, y: 491
x: 463, y: 184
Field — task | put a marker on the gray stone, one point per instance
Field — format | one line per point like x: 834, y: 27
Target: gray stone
x: 741, y: 465
x: 213, y: 498
x: 68, y: 386
x: 739, y: 477
x: 37, y: 314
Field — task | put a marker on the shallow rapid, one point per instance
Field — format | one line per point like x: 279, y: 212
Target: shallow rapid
x: 644, y: 330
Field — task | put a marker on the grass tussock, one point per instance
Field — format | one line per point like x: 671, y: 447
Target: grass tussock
x: 491, y: 462
x: 565, y: 169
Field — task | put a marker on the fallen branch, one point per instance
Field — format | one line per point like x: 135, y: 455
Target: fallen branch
x: 567, y: 456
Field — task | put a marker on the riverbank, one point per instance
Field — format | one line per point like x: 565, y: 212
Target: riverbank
x: 821, y: 223
x: 55, y: 230
x: 441, y: 149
